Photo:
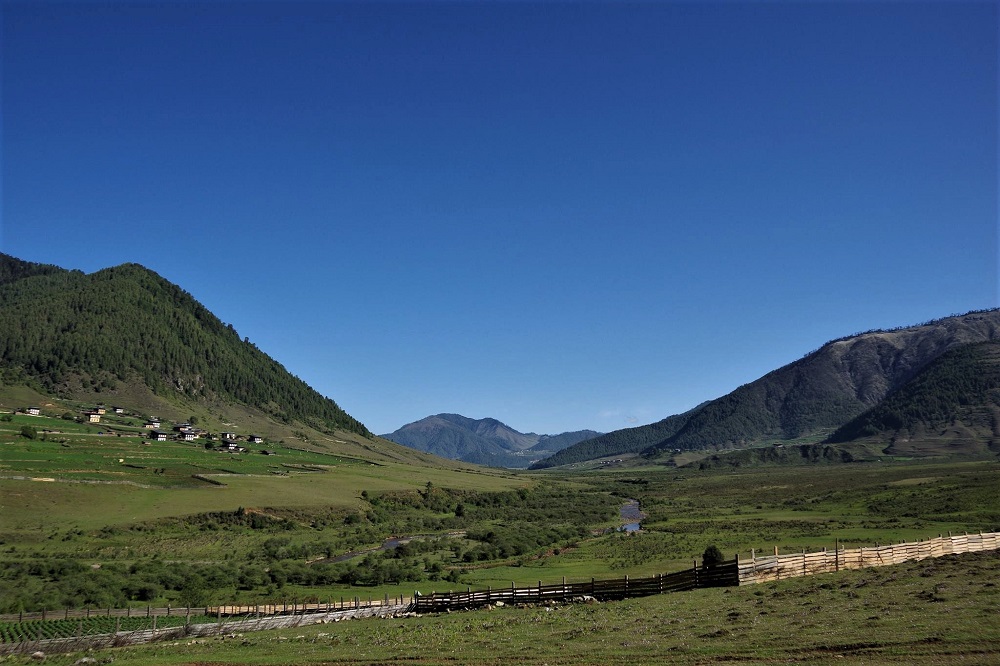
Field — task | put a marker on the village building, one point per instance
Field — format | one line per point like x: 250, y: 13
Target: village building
x: 232, y: 446
x: 158, y: 435
x: 33, y: 411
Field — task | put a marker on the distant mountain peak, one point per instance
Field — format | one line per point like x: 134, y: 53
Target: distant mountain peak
x: 485, y: 441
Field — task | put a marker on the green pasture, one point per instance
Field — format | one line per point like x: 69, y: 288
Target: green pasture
x: 122, y: 502
x: 930, y: 612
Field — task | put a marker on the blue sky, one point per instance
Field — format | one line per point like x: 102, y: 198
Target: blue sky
x: 561, y: 215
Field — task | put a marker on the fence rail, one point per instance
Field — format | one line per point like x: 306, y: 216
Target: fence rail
x: 296, y: 608
x: 225, y: 625
x: 778, y: 567
x: 724, y: 574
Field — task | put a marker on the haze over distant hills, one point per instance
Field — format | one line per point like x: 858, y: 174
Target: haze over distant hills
x: 829, y: 388
x: 482, y: 441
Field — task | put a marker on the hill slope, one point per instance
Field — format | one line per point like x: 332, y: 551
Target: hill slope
x: 629, y: 440
x: 954, y: 403
x: 814, y: 395
x: 481, y: 441
x: 72, y: 334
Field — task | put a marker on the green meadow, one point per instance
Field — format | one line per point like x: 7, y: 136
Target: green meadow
x: 97, y: 520
x: 931, y: 612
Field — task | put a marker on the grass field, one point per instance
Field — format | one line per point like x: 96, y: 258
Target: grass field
x: 940, y: 611
x: 121, y: 518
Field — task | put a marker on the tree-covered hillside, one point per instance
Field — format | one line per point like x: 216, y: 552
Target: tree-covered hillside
x: 629, y: 440
x: 64, y: 330
x: 830, y: 386
x: 810, y: 397
x: 961, y: 386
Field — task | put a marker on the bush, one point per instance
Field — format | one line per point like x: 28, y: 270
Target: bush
x: 712, y: 557
x: 29, y: 432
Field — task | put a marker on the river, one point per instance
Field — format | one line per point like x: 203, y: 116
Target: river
x: 631, y: 516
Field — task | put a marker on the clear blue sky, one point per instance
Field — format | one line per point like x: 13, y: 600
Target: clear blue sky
x: 561, y: 215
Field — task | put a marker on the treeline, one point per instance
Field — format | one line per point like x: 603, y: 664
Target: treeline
x: 963, y: 379
x: 63, y: 328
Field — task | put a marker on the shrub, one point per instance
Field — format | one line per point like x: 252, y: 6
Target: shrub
x: 712, y: 556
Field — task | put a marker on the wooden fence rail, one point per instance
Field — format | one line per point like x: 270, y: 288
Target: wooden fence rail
x: 227, y: 610
x: 224, y: 625
x: 724, y: 574
x: 778, y: 567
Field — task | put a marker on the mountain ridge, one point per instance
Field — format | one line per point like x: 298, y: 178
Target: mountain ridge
x: 484, y: 441
x: 75, y: 333
x: 812, y: 396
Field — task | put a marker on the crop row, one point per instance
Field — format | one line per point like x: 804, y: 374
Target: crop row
x: 16, y: 632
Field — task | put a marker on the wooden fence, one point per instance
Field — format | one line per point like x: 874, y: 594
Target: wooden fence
x: 725, y: 574
x: 289, y: 608
x: 224, y: 625
x: 778, y: 567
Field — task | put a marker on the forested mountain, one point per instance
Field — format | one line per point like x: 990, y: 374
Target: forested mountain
x: 814, y: 395
x: 69, y: 332
x: 629, y: 440
x: 481, y: 441
x: 12, y: 269
x: 954, y: 402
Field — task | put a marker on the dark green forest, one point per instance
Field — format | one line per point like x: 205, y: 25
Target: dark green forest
x: 62, y: 328
x: 808, y: 398
x: 960, y: 382
x: 629, y: 440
